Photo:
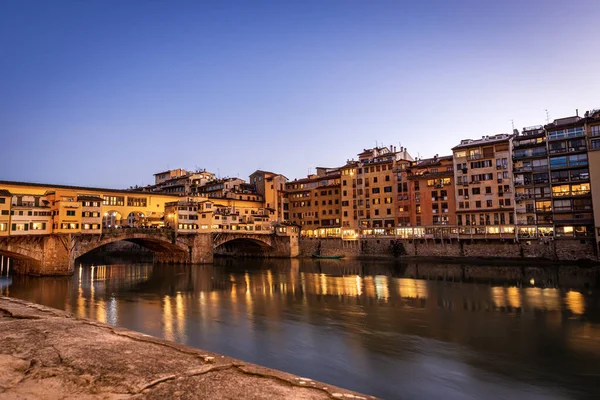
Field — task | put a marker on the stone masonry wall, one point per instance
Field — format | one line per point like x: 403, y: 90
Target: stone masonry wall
x: 557, y: 250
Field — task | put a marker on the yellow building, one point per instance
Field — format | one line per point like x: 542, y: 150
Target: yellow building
x: 5, y: 200
x: 66, y: 211
x: 182, y: 216
x: 195, y: 214
x: 30, y: 215
x: 91, y: 214
x: 118, y: 208
x: 272, y: 188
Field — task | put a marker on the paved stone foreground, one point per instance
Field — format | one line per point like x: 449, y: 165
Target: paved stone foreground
x: 49, y: 354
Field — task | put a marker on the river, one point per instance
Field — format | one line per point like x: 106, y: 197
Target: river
x: 396, y: 331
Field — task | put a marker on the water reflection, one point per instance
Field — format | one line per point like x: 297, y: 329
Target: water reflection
x: 378, y: 328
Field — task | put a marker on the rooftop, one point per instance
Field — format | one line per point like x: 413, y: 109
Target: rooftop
x: 465, y: 143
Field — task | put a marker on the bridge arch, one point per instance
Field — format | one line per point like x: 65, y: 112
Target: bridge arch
x: 242, y: 244
x: 164, y: 248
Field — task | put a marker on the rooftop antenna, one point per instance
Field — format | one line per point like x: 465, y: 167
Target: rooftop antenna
x: 512, y: 121
x: 547, y: 116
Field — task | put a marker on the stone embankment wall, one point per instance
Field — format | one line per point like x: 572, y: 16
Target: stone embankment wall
x: 555, y: 250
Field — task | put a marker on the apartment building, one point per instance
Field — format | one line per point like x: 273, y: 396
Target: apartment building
x: 228, y: 188
x: 271, y: 187
x: 484, y: 187
x: 164, y: 176
x: 533, y: 193
x: 431, y: 181
x: 593, y: 134
x: 314, y: 203
x: 348, y: 201
x: 376, y: 189
x: 5, y: 201
x: 571, y: 205
x: 30, y: 215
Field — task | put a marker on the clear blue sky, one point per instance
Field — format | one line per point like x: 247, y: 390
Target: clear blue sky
x: 107, y: 93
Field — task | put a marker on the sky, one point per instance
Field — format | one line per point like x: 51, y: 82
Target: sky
x: 106, y: 93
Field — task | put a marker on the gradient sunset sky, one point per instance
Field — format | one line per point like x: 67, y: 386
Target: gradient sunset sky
x: 107, y: 93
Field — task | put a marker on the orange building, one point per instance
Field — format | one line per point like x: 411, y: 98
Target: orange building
x: 432, y: 183
x: 377, y: 189
x: 313, y: 203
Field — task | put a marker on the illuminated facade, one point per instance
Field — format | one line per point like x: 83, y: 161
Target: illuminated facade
x: 194, y: 214
x: 572, y: 213
x: 431, y: 181
x: 377, y: 189
x: 5, y: 201
x: 532, y: 184
x: 313, y: 203
x: 271, y: 187
x: 30, y: 215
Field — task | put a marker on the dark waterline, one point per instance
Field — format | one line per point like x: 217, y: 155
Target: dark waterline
x: 379, y: 328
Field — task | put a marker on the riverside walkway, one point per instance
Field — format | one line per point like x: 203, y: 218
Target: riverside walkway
x: 50, y: 354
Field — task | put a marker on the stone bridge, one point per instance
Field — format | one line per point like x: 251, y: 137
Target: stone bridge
x: 56, y: 254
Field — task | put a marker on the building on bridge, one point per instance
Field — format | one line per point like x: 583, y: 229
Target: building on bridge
x: 30, y: 215
x: 197, y: 215
x: 5, y: 200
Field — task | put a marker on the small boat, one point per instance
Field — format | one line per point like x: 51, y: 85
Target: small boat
x: 327, y: 257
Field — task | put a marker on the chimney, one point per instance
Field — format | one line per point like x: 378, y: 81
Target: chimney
x: 577, y: 112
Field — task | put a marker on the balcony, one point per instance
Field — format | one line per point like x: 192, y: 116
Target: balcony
x: 522, y: 169
x: 523, y: 196
x: 473, y: 157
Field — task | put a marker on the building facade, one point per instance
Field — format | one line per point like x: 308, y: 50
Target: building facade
x: 484, y: 187
x: 532, y: 184
x: 593, y: 134
x: 572, y: 213
x: 314, y: 203
x: 431, y: 185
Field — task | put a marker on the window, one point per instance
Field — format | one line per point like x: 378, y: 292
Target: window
x: 70, y: 213
x: 488, y: 189
x: 558, y: 162
x: 578, y: 159
x: 136, y: 201
x: 2, y: 200
x: 488, y: 203
x: 476, y: 190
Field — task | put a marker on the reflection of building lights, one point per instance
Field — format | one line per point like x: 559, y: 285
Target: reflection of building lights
x: 498, y: 296
x: 575, y: 302
x: 532, y: 281
x: 514, y: 297
x: 381, y: 287
x: 168, y: 318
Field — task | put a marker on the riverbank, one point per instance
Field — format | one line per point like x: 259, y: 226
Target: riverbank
x: 50, y: 354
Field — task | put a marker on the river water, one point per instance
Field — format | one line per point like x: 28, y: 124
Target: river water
x: 397, y: 331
